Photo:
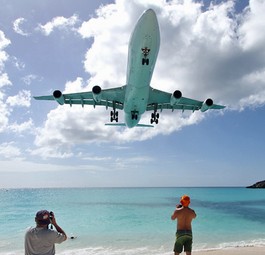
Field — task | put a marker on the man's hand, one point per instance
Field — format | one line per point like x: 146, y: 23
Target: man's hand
x: 58, y: 228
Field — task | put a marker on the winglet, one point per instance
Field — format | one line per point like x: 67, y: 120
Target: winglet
x: 124, y: 125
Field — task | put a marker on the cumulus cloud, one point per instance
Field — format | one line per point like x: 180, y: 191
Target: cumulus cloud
x: 61, y: 23
x: 4, y: 81
x: 22, y: 127
x: 9, y: 150
x: 214, y: 53
x: 4, y: 113
x: 73, y: 86
x: 21, y: 99
x: 251, y: 30
x: 4, y: 42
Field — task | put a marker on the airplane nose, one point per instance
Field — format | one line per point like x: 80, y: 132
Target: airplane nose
x: 150, y: 14
x: 149, y: 18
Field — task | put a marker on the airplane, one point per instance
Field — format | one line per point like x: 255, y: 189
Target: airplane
x: 137, y: 96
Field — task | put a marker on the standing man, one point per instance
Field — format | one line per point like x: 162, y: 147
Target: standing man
x: 40, y: 240
x: 184, y: 216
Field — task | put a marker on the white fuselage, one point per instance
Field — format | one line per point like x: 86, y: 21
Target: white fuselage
x: 145, y: 36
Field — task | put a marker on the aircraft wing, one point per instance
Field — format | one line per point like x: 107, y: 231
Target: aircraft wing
x: 159, y: 100
x: 113, y: 97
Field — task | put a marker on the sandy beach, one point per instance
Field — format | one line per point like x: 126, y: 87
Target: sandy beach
x: 233, y: 251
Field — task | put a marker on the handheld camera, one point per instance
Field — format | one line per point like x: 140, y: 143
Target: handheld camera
x: 51, y: 215
x: 51, y: 218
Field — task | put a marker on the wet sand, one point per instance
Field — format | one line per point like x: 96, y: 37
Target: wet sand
x: 233, y: 251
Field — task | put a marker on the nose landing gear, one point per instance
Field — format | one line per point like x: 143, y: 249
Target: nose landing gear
x: 145, y: 52
x: 134, y: 115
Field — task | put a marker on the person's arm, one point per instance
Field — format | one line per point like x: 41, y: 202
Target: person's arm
x: 57, y: 227
x: 195, y: 215
x: 175, y: 213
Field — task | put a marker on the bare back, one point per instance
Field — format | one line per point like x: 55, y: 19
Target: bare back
x: 184, y: 215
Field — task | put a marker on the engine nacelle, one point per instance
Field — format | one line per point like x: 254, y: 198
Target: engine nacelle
x: 58, y: 96
x: 175, y: 97
x: 96, y: 91
x: 207, y: 104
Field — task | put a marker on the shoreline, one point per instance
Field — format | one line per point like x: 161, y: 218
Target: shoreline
x: 232, y: 251
x: 257, y: 250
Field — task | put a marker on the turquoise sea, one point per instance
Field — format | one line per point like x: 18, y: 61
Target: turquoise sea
x: 123, y: 221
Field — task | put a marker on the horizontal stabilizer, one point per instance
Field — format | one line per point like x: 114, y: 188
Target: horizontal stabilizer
x: 124, y: 125
x: 144, y: 125
x: 116, y: 124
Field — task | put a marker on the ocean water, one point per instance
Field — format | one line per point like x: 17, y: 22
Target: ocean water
x: 125, y: 221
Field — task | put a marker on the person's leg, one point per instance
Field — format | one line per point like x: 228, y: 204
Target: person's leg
x: 178, y: 247
x: 188, y: 245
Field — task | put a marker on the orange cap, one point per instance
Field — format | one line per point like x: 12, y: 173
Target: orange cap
x: 185, y: 200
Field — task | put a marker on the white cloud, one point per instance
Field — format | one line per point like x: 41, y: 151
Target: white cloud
x: 216, y: 53
x: 29, y: 78
x: 73, y: 86
x: 52, y: 152
x: 21, y: 99
x: 4, y: 113
x: 251, y: 32
x: 17, y: 26
x: 20, y: 128
x: 4, y: 80
x: 20, y: 65
x: 8, y: 150
x: 24, y: 166
x: 4, y: 42
x: 61, y: 23
x: 91, y: 158
x: 3, y: 59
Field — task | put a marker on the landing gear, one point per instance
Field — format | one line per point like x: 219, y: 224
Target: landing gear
x: 114, y: 115
x: 145, y: 61
x: 134, y: 115
x: 145, y: 52
x: 154, y: 117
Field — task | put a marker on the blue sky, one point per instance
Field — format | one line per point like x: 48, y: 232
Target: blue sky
x: 208, y: 49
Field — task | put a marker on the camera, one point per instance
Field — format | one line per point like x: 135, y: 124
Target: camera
x: 51, y: 215
x: 51, y: 218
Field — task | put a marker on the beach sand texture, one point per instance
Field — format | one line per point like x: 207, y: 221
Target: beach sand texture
x: 233, y: 251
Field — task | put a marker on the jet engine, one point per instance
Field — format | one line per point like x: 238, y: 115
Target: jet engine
x: 96, y: 91
x: 175, y: 97
x: 207, y: 104
x: 58, y: 96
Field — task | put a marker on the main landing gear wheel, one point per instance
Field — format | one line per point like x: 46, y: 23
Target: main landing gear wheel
x: 113, y: 116
x: 154, y: 117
